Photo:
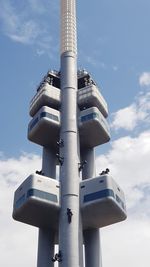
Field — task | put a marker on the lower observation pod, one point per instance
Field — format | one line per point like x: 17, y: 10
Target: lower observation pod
x: 102, y: 202
x: 36, y: 202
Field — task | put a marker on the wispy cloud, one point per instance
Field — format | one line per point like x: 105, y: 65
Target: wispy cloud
x: 25, y: 23
x: 37, y: 6
x: 144, y: 79
x: 115, y: 68
x: 16, y: 26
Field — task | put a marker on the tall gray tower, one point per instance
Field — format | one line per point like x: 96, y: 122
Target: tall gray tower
x: 69, y: 120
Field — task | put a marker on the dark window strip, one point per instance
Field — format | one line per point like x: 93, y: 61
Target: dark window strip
x: 90, y: 116
x: 33, y: 123
x: 49, y: 115
x: 20, y: 201
x: 120, y: 201
x: 41, y: 194
x: 99, y: 195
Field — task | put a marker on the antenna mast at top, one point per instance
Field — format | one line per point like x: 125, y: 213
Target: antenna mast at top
x: 68, y: 26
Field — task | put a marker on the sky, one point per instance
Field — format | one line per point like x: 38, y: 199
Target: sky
x: 114, y: 46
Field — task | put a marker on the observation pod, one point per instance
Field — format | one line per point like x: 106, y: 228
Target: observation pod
x: 49, y: 95
x: 36, y: 202
x: 44, y: 128
x: 94, y: 129
x: 102, y: 202
x: 90, y: 96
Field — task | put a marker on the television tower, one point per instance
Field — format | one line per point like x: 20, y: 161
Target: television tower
x: 68, y: 120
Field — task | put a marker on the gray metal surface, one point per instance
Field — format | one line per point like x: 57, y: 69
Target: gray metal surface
x: 69, y: 174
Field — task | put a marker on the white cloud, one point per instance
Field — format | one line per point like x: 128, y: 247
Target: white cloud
x: 126, y: 244
x: 18, y: 242
x: 125, y: 118
x: 26, y: 33
x: 129, y: 117
x: 144, y: 79
x: 128, y: 160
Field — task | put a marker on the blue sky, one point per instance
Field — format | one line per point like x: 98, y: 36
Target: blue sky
x: 114, y: 46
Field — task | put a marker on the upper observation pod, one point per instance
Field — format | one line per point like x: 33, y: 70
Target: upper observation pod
x: 102, y: 202
x: 68, y: 26
x: 89, y: 94
x: 36, y: 202
x: 48, y: 93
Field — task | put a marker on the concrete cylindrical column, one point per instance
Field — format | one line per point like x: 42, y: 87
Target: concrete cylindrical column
x: 49, y: 163
x: 69, y: 221
x: 91, y: 236
x: 46, y: 237
x: 88, y: 171
x: 69, y: 225
x: 92, y: 248
x: 45, y: 248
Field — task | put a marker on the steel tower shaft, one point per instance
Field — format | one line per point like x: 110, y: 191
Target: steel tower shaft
x: 69, y: 173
